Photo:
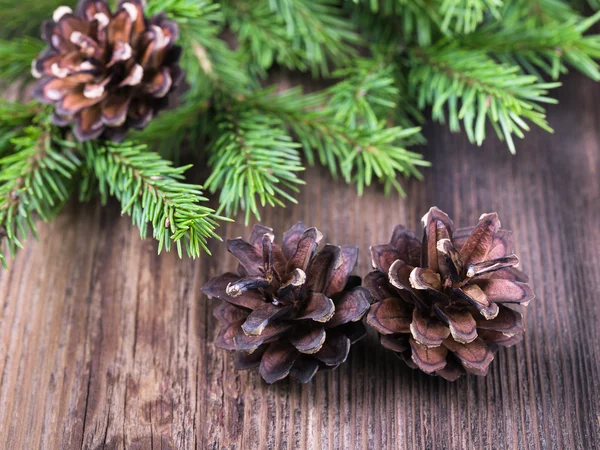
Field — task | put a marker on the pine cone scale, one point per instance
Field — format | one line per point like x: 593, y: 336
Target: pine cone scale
x: 318, y: 307
x: 350, y: 306
x: 505, y: 291
x: 428, y: 329
x: 339, y: 275
x: 277, y: 361
x: 389, y: 316
x: 429, y: 359
x: 335, y: 349
x: 307, y: 244
x: 320, y: 269
x: 479, y: 242
x: 310, y: 339
x: 462, y: 325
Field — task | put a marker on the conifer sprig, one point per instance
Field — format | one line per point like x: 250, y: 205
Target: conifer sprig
x: 251, y: 166
x: 16, y: 56
x: 542, y: 49
x: 35, y: 179
x: 264, y: 37
x: 468, y: 86
x: 319, y: 29
x: 152, y: 192
x: 361, y: 153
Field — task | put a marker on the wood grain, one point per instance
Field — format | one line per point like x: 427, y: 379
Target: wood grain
x: 105, y: 345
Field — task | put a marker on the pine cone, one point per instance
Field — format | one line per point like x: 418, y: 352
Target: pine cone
x: 288, y: 310
x: 107, y: 73
x: 442, y: 304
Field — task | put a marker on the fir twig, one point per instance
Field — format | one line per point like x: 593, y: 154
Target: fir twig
x: 35, y: 179
x: 151, y: 191
x: 209, y: 64
x: 253, y: 159
x: 360, y: 154
x: 14, y: 116
x: 320, y: 30
x: 16, y: 56
x: 264, y: 37
x: 540, y: 48
x: 472, y: 88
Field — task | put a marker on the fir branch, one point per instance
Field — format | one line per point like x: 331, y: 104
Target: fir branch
x: 16, y: 56
x: 35, y: 179
x: 547, y: 47
x: 14, y: 116
x: 424, y: 21
x: 473, y: 88
x: 387, y: 21
x: 253, y: 161
x: 463, y: 16
x: 540, y: 12
x: 319, y: 30
x: 24, y: 17
x: 373, y: 90
x: 209, y: 64
x: 360, y: 154
x: 263, y: 37
x: 366, y: 93
x: 151, y: 191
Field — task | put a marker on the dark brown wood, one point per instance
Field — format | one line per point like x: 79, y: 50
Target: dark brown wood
x: 105, y: 345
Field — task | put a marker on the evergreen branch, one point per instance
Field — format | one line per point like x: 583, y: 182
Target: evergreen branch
x: 473, y: 88
x: 463, y: 16
x: 264, y: 37
x: 24, y: 17
x: 387, y: 21
x: 35, y: 179
x: 540, y: 12
x: 319, y: 30
x: 366, y: 93
x: 14, y: 116
x: 424, y: 21
x: 360, y: 154
x: 151, y: 191
x: 16, y: 56
x: 253, y: 160
x: 548, y: 47
x: 209, y: 64
x: 373, y: 90
x: 172, y: 129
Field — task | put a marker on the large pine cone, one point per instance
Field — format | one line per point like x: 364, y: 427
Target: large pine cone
x: 288, y: 310
x: 107, y: 73
x: 442, y: 304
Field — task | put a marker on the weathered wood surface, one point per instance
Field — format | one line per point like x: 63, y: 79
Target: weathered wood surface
x: 103, y: 344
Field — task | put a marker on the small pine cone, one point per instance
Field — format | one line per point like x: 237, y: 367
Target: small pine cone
x: 289, y: 310
x: 443, y: 304
x: 107, y: 73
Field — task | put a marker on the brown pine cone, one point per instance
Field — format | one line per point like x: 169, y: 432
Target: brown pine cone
x: 443, y: 304
x: 107, y: 73
x: 289, y: 310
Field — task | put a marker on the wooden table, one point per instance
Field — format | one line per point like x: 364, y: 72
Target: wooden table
x: 104, y: 344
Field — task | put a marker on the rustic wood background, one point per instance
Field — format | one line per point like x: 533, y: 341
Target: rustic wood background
x: 105, y: 345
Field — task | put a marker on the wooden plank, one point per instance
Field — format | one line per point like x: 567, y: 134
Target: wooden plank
x: 105, y: 345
